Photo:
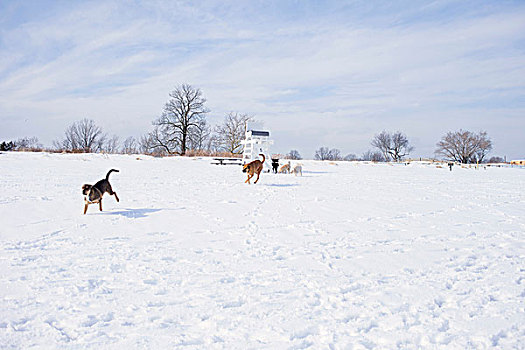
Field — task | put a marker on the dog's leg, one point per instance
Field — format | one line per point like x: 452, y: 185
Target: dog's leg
x: 85, y: 208
x: 100, y: 205
x: 113, y: 193
x: 257, y: 178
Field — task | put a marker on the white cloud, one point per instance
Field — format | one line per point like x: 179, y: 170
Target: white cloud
x: 313, y: 81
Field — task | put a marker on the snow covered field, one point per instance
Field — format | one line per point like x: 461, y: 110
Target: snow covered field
x: 350, y: 255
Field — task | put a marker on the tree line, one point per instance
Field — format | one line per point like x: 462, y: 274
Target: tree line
x: 459, y: 146
x: 182, y: 129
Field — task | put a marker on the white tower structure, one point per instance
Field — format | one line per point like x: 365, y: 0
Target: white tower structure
x: 255, y: 143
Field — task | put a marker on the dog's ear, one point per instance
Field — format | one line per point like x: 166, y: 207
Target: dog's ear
x: 85, y: 188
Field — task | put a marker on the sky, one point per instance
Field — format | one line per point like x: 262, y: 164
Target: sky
x: 315, y: 73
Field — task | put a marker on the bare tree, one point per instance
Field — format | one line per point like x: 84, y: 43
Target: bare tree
x: 335, y: 154
x: 324, y: 153
x: 373, y: 156
x: 144, y: 144
x: 350, y: 157
x: 27, y: 144
x: 181, y: 118
x: 464, y: 146
x: 84, y: 136
x: 149, y: 144
x: 483, y: 145
x: 294, y: 154
x: 111, y: 145
x: 156, y: 143
x: 231, y: 132
x: 213, y: 143
x: 198, y: 140
x: 392, y: 146
x: 496, y: 159
x: 382, y: 142
x: 130, y: 146
x: 400, y: 146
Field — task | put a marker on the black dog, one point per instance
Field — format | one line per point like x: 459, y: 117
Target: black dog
x: 275, y: 165
x: 93, y: 193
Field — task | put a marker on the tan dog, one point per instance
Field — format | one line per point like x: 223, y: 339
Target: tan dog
x: 253, y: 167
x: 285, y: 169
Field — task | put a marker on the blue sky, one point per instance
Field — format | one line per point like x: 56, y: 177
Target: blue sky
x: 316, y: 73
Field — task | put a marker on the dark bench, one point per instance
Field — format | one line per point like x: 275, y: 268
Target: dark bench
x: 227, y: 161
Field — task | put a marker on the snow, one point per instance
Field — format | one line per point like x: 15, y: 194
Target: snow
x: 350, y: 255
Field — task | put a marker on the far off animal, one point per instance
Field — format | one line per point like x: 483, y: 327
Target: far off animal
x: 285, y: 169
x: 93, y: 193
x: 297, y: 170
x: 254, y: 167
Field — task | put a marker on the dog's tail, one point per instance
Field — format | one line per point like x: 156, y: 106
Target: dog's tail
x: 109, y: 172
x: 264, y: 158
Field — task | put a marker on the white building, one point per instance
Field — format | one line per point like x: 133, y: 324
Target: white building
x: 255, y: 143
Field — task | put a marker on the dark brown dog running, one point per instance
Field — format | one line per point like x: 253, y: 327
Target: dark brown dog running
x: 253, y: 167
x: 93, y: 193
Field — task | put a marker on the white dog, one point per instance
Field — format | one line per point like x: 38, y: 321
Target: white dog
x: 298, y: 169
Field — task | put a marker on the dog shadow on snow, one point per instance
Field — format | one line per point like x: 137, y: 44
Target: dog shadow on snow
x: 281, y: 185
x: 132, y: 213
